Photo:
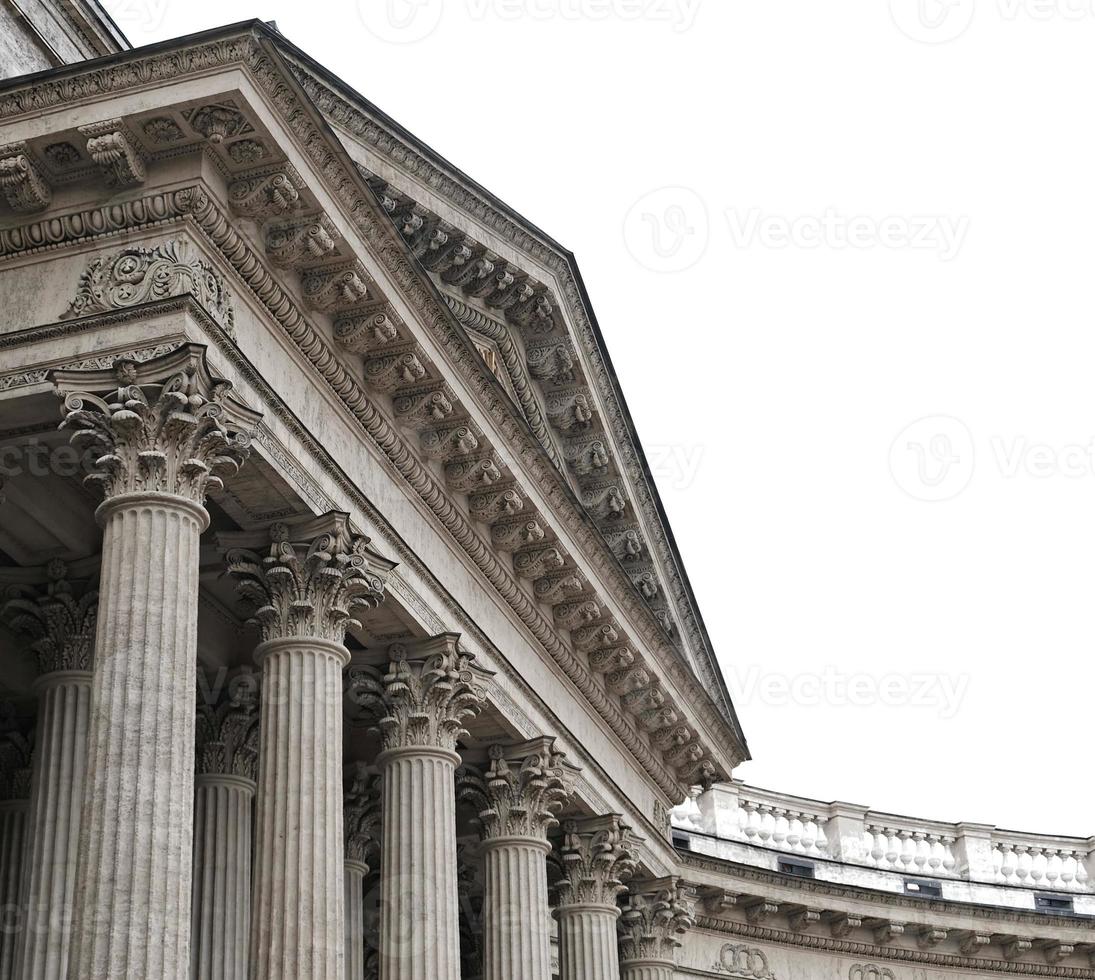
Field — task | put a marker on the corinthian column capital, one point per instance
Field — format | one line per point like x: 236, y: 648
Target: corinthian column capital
x: 163, y: 426
x: 308, y: 578
x: 57, y: 617
x: 227, y: 734
x: 597, y: 855
x: 16, y: 751
x: 658, y: 912
x: 520, y: 791
x: 361, y: 815
x: 426, y: 694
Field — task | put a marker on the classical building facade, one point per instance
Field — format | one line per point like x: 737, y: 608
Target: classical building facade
x: 342, y: 632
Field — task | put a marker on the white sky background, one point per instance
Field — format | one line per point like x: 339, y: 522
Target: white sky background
x: 769, y: 384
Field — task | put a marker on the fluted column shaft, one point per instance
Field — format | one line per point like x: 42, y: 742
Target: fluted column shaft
x: 587, y: 942
x: 419, y: 912
x: 516, y: 915
x: 298, y: 928
x: 221, y: 898
x: 354, y: 900
x: 57, y: 794
x: 646, y: 971
x: 13, y: 843
x: 136, y: 834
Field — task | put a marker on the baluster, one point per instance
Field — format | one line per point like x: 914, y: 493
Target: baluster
x: 794, y: 831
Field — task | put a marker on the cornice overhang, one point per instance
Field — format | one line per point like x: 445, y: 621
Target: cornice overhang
x: 409, y: 153
x: 254, y: 48
x: 754, y: 903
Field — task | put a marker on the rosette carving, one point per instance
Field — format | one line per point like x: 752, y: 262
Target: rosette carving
x: 167, y: 425
x: 657, y: 914
x: 227, y: 734
x: 313, y: 578
x: 425, y: 695
x: 595, y: 856
x: 520, y: 792
x: 59, y: 619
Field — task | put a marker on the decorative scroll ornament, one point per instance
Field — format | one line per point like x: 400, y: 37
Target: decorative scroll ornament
x: 595, y: 857
x: 315, y: 579
x: 227, y: 734
x: 59, y: 620
x: 142, y: 275
x: 737, y: 960
x: 658, y: 913
x: 168, y: 425
x: 16, y: 750
x: 361, y: 815
x: 115, y: 151
x: 21, y: 182
x: 521, y: 791
x: 869, y: 971
x: 423, y: 701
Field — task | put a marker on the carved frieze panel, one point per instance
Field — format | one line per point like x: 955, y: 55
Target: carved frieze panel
x: 141, y: 274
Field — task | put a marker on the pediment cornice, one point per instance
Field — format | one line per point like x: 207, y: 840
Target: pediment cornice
x: 674, y: 754
x: 566, y: 294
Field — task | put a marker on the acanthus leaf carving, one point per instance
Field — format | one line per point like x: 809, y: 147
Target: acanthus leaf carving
x: 425, y: 696
x: 59, y: 620
x: 116, y: 152
x: 167, y: 425
x: 361, y: 815
x: 315, y: 578
x: 521, y: 790
x: 266, y: 193
x: 16, y: 753
x: 226, y: 732
x: 657, y: 914
x: 363, y: 333
x: 596, y: 857
x: 141, y: 274
x: 298, y: 244
x: 22, y: 183
x: 335, y: 288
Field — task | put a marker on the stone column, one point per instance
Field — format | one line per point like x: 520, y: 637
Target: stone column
x: 162, y: 434
x: 423, y: 700
x: 224, y: 789
x: 61, y: 623
x: 517, y: 798
x: 659, y: 911
x: 596, y: 856
x: 361, y: 820
x: 15, y: 776
x: 315, y: 577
